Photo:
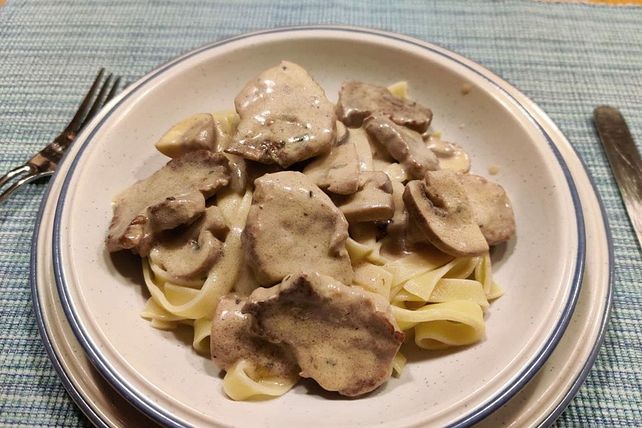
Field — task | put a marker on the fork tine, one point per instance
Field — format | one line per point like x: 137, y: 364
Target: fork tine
x: 74, y: 125
x: 114, y: 90
x: 98, y: 103
x: 45, y: 161
x: 33, y: 176
x: 14, y: 172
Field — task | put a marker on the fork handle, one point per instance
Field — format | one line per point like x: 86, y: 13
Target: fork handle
x: 47, y: 158
x: 32, y: 176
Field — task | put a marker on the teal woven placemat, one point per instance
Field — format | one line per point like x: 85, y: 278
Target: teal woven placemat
x: 567, y: 58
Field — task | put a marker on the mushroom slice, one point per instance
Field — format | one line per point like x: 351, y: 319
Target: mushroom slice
x: 213, y: 221
x: 232, y: 340
x: 343, y: 337
x: 450, y: 155
x: 491, y: 208
x: 405, y: 146
x: 187, y: 258
x: 196, y: 132
x: 285, y: 117
x: 189, y: 253
x: 402, y: 231
x: 293, y: 225
x: 336, y: 172
x: 373, y: 201
x: 396, y: 227
x: 200, y: 171
x: 358, y: 100
x: 440, y: 208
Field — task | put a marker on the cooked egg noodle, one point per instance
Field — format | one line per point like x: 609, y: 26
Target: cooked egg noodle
x: 438, y: 299
x: 242, y: 382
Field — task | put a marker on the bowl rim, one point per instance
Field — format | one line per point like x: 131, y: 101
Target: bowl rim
x: 164, y: 416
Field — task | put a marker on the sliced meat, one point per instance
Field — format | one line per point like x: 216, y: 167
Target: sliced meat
x: 405, y: 146
x: 199, y: 171
x: 206, y: 131
x: 174, y: 211
x: 285, y: 117
x: 293, y: 225
x: 440, y: 208
x: 491, y: 208
x: 358, y: 100
x: 196, y: 132
x: 189, y: 253
x: 343, y: 337
x: 232, y: 340
x: 373, y: 201
x: 450, y: 155
x: 336, y: 172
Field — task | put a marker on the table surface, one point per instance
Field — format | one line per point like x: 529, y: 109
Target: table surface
x: 568, y: 58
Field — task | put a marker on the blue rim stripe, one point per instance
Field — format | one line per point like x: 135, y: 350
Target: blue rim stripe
x: 161, y: 415
x: 588, y: 365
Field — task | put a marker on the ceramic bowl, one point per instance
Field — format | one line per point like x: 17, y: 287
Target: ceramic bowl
x: 158, y: 371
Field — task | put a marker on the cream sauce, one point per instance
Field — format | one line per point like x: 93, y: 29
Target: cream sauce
x: 336, y: 172
x: 285, y: 117
x: 130, y: 228
x: 343, y: 337
x: 402, y: 144
x: 340, y: 335
x: 358, y: 100
x: 373, y: 201
x: 231, y: 340
x: 293, y: 226
x: 450, y: 155
x: 359, y: 138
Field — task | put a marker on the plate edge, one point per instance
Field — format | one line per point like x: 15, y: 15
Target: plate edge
x: 476, y: 415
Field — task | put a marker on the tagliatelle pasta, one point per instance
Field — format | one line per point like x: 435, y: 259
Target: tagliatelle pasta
x: 444, y: 291
x: 437, y: 299
x: 241, y: 382
x: 440, y: 298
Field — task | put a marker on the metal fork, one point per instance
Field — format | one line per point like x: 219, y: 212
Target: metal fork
x: 44, y: 163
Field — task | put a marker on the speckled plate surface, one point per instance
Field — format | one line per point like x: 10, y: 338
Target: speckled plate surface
x: 537, y: 404
x: 160, y: 375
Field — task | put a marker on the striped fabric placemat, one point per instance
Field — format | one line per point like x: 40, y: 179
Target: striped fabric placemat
x: 567, y: 57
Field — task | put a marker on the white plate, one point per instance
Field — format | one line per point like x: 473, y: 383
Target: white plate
x: 538, y: 404
x: 95, y: 397
x: 160, y: 374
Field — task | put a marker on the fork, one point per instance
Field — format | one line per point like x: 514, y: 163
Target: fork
x: 44, y: 163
